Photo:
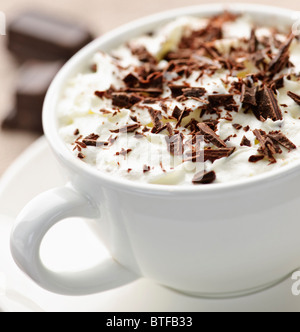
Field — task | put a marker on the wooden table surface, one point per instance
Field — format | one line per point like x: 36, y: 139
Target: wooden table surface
x: 100, y: 16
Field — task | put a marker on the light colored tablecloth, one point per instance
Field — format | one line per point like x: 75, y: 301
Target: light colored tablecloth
x: 100, y: 16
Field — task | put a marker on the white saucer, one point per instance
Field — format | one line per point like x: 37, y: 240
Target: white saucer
x: 72, y: 246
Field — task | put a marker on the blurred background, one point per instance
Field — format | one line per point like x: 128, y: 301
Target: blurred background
x: 99, y: 16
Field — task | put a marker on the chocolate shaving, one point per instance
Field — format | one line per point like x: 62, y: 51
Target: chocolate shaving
x: 81, y: 156
x: 255, y: 159
x: 123, y: 152
x: 175, y: 144
x: 91, y: 140
x: 179, y: 114
x: 294, y: 96
x: 103, y: 111
x: 76, y: 132
x: 281, y: 60
x: 267, y: 145
x: 214, y: 154
x: 204, y: 177
x: 221, y: 100
x: 125, y: 100
x: 146, y: 169
x: 248, y: 96
x: 194, y: 92
x: 267, y: 105
x: 281, y: 139
x: 253, y: 42
x: 210, y: 135
x: 128, y: 129
x: 143, y: 55
x: 156, y: 117
x: 245, y: 142
x: 177, y: 90
x: 237, y: 126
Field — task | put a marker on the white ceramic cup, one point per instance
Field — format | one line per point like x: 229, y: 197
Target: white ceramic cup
x: 212, y: 241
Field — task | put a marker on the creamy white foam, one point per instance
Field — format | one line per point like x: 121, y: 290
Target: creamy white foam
x: 80, y: 109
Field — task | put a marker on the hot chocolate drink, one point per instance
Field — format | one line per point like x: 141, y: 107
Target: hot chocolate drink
x: 197, y: 101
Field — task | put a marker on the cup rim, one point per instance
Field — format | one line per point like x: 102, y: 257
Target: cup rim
x: 61, y: 149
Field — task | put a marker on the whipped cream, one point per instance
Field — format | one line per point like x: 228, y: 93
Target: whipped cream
x: 93, y: 116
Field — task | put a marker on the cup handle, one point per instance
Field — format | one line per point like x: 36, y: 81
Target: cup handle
x: 35, y: 221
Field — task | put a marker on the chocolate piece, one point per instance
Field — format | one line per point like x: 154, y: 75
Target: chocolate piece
x: 33, y: 35
x: 248, y: 96
x: 255, y: 159
x: 267, y: 105
x: 281, y: 139
x: 221, y: 100
x: 123, y: 152
x: 294, y: 96
x: 81, y: 156
x: 211, y: 135
x: 267, y: 145
x: 214, y: 154
x: 177, y: 90
x: 204, y: 177
x: 179, y: 114
x: 237, y: 126
x: 194, y: 92
x: 91, y: 140
x: 126, y: 129
x: 125, y: 100
x: 175, y: 144
x: 176, y: 113
x: 143, y: 55
x: 156, y: 117
x: 146, y: 169
x: 245, y: 142
x: 281, y: 60
x: 33, y: 83
x: 253, y: 42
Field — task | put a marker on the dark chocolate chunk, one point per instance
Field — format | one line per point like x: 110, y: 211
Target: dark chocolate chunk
x: 128, y: 129
x: 33, y: 35
x: 211, y: 135
x: 221, y: 100
x: 281, y: 60
x: 255, y: 159
x: 125, y: 100
x: 267, y: 105
x: 245, y: 142
x: 253, y: 42
x: 237, y: 126
x: 294, y: 96
x: 214, y: 154
x: 143, y: 55
x: 176, y: 113
x: 81, y: 155
x: 204, y: 177
x: 248, y: 96
x: 175, y: 144
x: 194, y: 92
x: 267, y: 145
x: 156, y: 117
x: 281, y: 139
x: 33, y: 83
x: 177, y: 90
x: 91, y: 140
